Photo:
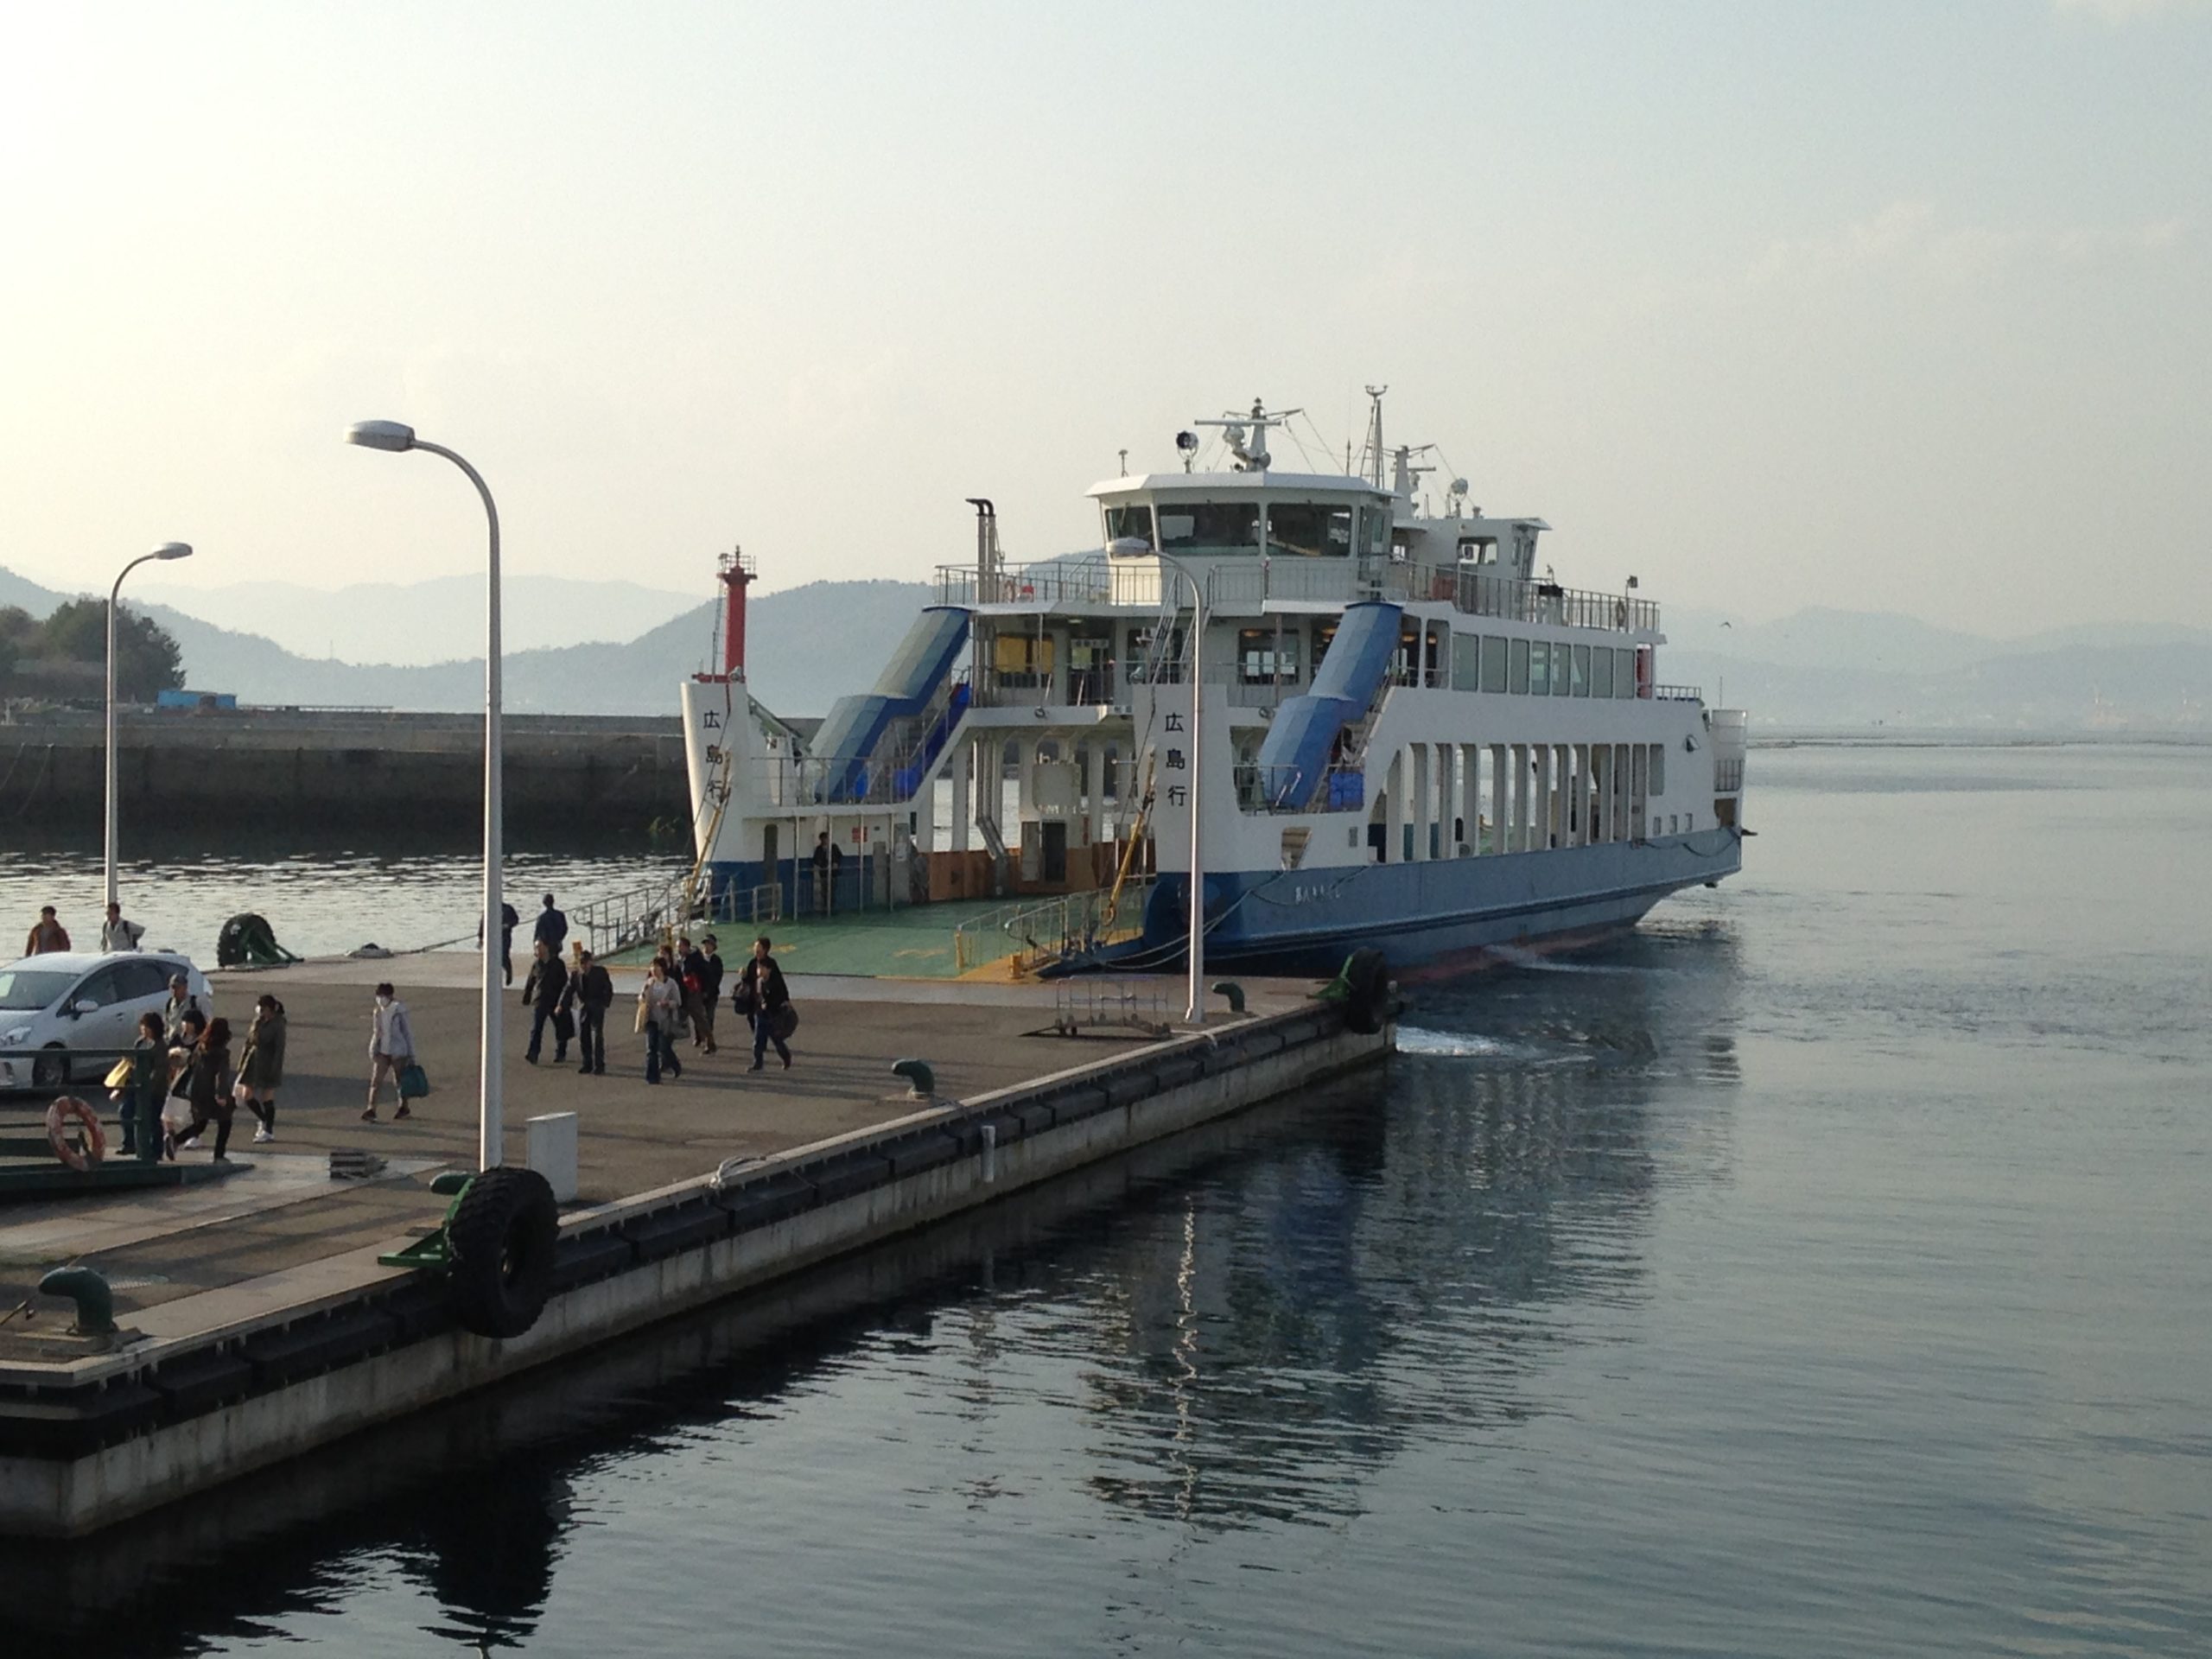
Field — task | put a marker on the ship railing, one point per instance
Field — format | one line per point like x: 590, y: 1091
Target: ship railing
x: 1341, y: 786
x: 1050, y: 582
x: 638, y: 916
x: 1678, y: 693
x: 1038, y: 930
x: 1509, y: 599
x: 1254, y: 582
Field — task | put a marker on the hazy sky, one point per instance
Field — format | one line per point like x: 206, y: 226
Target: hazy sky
x: 1870, y: 306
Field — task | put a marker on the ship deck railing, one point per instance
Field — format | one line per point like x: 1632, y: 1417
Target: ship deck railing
x: 1140, y: 584
x: 1678, y: 693
x: 1036, y: 931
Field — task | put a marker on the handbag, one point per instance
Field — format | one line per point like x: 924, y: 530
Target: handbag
x: 783, y: 1022
x: 120, y: 1074
x: 414, y: 1081
x: 564, y: 1026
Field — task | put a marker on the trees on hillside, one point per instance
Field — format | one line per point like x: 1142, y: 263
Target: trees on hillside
x: 147, y: 658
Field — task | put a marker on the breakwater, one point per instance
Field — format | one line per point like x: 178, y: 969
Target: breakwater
x: 340, y: 768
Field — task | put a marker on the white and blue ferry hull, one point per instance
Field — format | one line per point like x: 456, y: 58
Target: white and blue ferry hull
x: 1430, y: 918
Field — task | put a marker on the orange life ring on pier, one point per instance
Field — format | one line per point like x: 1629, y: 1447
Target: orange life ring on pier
x: 57, y: 1136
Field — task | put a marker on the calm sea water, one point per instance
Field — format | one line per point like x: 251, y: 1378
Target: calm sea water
x: 1827, y: 1270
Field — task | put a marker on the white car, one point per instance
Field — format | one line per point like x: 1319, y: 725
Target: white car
x: 66, y: 1000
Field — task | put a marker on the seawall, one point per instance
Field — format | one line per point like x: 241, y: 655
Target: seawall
x: 348, y: 768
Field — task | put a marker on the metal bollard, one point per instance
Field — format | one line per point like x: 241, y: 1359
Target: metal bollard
x: 89, y: 1289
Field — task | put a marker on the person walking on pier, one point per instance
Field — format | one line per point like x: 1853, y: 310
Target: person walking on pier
x: 46, y: 934
x: 508, y: 922
x: 543, y: 990
x: 149, y: 1087
x: 657, y: 1006
x: 210, y: 1091
x: 763, y: 997
x: 710, y: 988
x: 692, y: 976
x: 262, y: 1066
x: 391, y: 1048
x: 591, y: 993
x: 116, y: 934
x: 182, y: 1002
x: 552, y: 927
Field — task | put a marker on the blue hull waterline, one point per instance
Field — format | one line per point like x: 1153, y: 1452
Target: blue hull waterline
x: 1441, y: 917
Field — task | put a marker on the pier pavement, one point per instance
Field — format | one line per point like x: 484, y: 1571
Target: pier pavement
x: 194, y: 1258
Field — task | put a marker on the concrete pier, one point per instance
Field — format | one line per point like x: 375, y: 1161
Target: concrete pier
x: 258, y: 1324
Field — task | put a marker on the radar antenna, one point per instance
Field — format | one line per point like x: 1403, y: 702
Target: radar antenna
x: 1251, y: 454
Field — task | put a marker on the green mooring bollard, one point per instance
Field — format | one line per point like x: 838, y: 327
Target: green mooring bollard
x: 1233, y: 991
x: 919, y: 1077
x: 88, y: 1289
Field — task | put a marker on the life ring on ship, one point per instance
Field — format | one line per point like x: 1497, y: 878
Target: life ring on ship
x: 58, y: 1118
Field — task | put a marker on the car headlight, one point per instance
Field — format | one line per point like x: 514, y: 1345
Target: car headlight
x: 13, y: 1039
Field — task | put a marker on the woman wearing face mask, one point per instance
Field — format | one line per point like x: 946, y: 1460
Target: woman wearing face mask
x: 391, y: 1049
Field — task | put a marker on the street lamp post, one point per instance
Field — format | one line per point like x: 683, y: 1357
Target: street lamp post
x: 392, y: 436
x: 166, y: 551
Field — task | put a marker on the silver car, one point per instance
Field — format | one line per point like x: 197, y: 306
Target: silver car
x: 66, y: 1000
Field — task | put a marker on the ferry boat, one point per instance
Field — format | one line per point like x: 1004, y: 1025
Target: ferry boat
x: 1386, y: 725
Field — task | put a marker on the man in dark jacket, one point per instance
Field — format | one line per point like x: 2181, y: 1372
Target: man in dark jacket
x: 590, y: 994
x: 693, y: 976
x: 548, y: 977
x: 508, y: 922
x: 762, y: 997
x: 552, y: 929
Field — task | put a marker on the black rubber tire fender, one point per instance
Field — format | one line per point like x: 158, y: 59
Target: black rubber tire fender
x: 501, y: 1242
x: 1367, y: 980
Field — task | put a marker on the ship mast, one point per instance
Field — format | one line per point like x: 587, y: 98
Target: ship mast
x: 1371, y: 456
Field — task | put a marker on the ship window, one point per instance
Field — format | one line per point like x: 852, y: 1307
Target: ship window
x: 1540, y: 668
x: 1307, y: 530
x: 1374, y: 530
x: 1561, y: 655
x: 1210, y: 527
x: 1518, y: 675
x: 1145, y: 651
x: 1601, y: 673
x: 1582, y: 670
x: 1466, y: 661
x: 1132, y: 523
x: 1623, y: 675
x: 1493, y: 662
x: 1657, y: 781
x: 1023, y: 661
x: 1263, y: 656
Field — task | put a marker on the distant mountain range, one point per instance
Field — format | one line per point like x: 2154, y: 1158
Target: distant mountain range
x: 804, y: 647
x: 807, y: 646
x: 424, y: 622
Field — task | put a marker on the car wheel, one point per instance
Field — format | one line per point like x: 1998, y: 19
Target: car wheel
x: 51, y: 1068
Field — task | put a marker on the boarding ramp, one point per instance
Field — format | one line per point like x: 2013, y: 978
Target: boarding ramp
x: 855, y: 725
x: 1295, y: 756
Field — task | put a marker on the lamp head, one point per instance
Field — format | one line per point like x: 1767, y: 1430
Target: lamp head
x: 174, y: 551
x: 381, y: 435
